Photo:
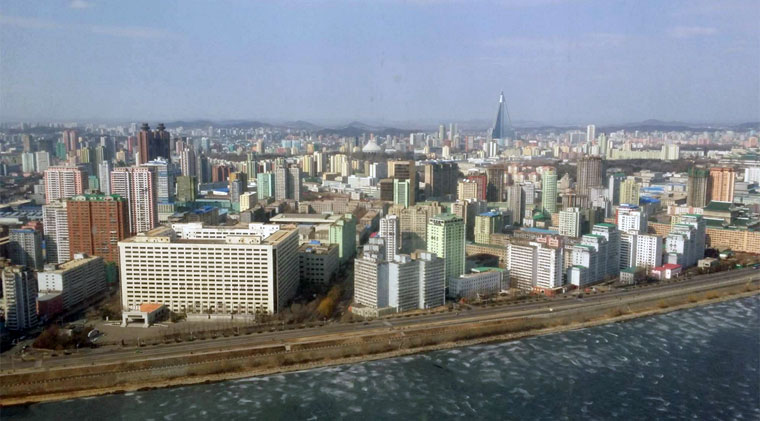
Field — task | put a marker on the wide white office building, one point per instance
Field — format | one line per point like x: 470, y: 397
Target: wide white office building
x: 243, y: 270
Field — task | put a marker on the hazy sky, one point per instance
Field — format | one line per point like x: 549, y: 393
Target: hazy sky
x: 426, y: 60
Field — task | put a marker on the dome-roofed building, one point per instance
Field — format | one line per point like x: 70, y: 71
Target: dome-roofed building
x: 372, y: 147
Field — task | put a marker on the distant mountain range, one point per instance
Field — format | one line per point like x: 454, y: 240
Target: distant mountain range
x: 357, y: 128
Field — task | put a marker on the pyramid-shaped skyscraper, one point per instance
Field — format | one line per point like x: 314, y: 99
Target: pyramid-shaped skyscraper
x: 503, y: 127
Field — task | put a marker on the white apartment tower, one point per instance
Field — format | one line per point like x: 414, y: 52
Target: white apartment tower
x: 19, y: 298
x: 648, y: 251
x: 631, y: 218
x: 390, y: 231
x: 63, y: 182
x: 138, y: 187
x: 55, y: 224
x: 570, y: 222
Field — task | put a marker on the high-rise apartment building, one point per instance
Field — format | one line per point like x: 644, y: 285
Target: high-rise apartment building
x: 265, y: 185
x: 570, y: 222
x: 402, y: 193
x: 287, y: 183
x: 752, y: 175
x: 153, y: 144
x: 590, y: 133
x: 378, y: 170
x: 233, y: 272
x: 631, y: 218
x: 63, y: 182
x: 589, y: 174
x: 697, y: 191
x: 515, y: 202
x: 402, y: 284
x: 468, y: 210
x: 648, y: 251
x: 41, y: 161
x: 405, y: 170
x: 55, y: 225
x: 390, y: 231
x: 432, y: 285
x: 685, y: 244
x: 370, y: 275
x: 138, y: 187
x: 549, y: 191
x: 629, y: 191
x: 19, y: 297
x: 188, y: 162
x: 187, y: 188
x: 721, y: 184
x: 25, y: 248
x: 343, y: 233
x: 535, y: 264
x: 612, y: 236
x: 469, y: 190
x: 440, y: 179
x: 96, y: 224
x: 496, y: 184
x: 165, y: 173
x: 486, y: 224
x: 104, y: 177
x: 445, y: 238
x: 414, y: 224
x: 613, y: 188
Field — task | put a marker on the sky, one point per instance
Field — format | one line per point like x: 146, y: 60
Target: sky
x: 381, y: 61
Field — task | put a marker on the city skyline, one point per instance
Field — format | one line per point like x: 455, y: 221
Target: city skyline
x: 388, y: 62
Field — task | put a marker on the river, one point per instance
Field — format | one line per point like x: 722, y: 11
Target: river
x: 700, y: 363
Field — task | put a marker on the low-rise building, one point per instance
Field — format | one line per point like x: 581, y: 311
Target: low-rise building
x: 707, y: 263
x: 482, y: 281
x: 667, y: 271
x: 632, y: 275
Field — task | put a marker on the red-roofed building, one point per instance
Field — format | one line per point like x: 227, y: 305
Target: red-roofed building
x: 667, y: 271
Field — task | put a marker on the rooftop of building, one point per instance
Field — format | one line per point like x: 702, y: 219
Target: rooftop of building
x: 446, y: 217
x: 150, y: 307
x: 47, y: 296
x: 667, y: 266
x: 98, y: 198
x: 491, y: 214
x: 716, y: 206
x: 167, y: 235
x: 482, y: 269
x: 316, y: 247
x: 606, y: 225
x: 79, y: 260
x: 539, y: 231
x: 314, y: 218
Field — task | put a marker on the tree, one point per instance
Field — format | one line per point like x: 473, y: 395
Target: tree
x: 326, y: 307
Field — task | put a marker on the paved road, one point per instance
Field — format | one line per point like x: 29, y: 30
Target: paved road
x: 344, y: 330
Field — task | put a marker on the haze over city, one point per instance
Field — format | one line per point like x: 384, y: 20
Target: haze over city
x: 410, y: 63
